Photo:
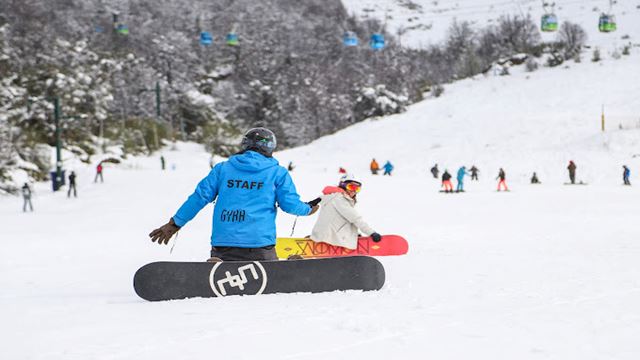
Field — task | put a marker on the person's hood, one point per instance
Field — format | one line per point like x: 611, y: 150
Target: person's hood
x: 252, y: 161
x: 332, y: 190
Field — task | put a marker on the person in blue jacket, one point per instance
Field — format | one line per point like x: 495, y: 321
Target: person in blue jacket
x: 247, y: 188
x: 388, y: 168
x: 461, y: 173
x: 625, y: 175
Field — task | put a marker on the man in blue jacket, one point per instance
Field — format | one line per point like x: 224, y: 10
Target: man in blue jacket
x: 461, y: 173
x: 247, y: 187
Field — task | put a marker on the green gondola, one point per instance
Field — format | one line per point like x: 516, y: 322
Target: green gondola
x: 607, y: 23
x: 232, y: 39
x: 549, y: 23
x: 122, y: 29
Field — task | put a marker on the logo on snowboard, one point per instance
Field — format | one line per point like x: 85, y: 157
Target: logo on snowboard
x: 249, y: 279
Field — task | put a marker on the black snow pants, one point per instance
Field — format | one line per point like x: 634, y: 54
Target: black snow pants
x: 228, y: 253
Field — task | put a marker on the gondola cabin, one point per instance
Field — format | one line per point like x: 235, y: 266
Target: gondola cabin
x: 350, y: 39
x: 232, y: 39
x: 377, y: 41
x: 549, y: 23
x: 607, y: 23
x: 122, y: 29
x: 205, y: 38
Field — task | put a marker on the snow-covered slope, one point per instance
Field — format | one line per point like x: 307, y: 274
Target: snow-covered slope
x: 548, y: 271
x: 426, y: 21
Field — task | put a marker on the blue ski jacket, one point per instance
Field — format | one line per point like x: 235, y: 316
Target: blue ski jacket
x: 247, y: 186
x: 388, y: 167
x: 461, y: 173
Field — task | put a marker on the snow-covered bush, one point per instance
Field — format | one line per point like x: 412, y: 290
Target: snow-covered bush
x: 572, y: 37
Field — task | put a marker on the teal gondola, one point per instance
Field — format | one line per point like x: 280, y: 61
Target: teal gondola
x: 205, y: 38
x: 350, y: 39
x: 377, y: 41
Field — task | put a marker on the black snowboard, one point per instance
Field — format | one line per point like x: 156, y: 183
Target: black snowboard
x: 178, y: 280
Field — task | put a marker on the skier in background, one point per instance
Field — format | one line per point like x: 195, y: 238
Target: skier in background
x: 502, y: 177
x: 572, y: 171
x: 434, y: 171
x: 460, y: 177
x: 374, y: 167
x: 625, y: 175
x: 72, y: 185
x: 388, y: 168
x: 446, y: 181
x: 474, y: 173
x: 342, y: 170
x: 247, y: 189
x: 162, y: 162
x: 338, y: 221
x: 98, y: 173
x: 534, y: 179
x: 26, y: 196
x: 290, y: 167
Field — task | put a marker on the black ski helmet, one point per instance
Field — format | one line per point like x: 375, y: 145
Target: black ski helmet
x: 261, y: 140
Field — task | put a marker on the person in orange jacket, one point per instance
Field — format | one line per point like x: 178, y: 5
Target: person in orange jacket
x: 374, y: 167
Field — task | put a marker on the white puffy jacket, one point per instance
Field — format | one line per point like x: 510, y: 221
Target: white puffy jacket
x: 338, y: 221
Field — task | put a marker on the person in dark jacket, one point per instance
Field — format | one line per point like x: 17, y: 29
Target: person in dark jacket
x: 572, y: 171
x: 502, y: 177
x: 534, y: 179
x: 162, y: 162
x: 446, y: 181
x: 248, y: 189
x: 72, y: 185
x: 434, y: 171
x: 474, y: 173
x: 26, y: 196
x: 625, y: 175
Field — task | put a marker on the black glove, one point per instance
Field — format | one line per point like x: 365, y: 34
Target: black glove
x: 376, y: 237
x: 164, y: 233
x: 314, y: 202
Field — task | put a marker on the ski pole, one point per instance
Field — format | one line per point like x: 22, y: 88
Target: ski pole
x: 294, y: 226
x: 175, y: 240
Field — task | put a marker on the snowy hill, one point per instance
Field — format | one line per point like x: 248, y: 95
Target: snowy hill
x: 548, y: 271
x: 425, y: 22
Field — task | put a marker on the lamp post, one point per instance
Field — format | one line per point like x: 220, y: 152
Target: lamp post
x: 56, y: 117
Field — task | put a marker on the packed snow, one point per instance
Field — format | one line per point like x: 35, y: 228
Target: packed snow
x: 542, y: 272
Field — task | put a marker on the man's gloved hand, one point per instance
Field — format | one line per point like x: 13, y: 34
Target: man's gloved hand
x: 314, y: 202
x: 376, y: 237
x: 314, y: 209
x: 164, y: 233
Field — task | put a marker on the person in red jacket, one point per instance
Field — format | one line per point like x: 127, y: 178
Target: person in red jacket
x: 98, y: 173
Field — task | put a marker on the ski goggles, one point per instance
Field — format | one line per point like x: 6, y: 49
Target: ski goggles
x: 352, y: 186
